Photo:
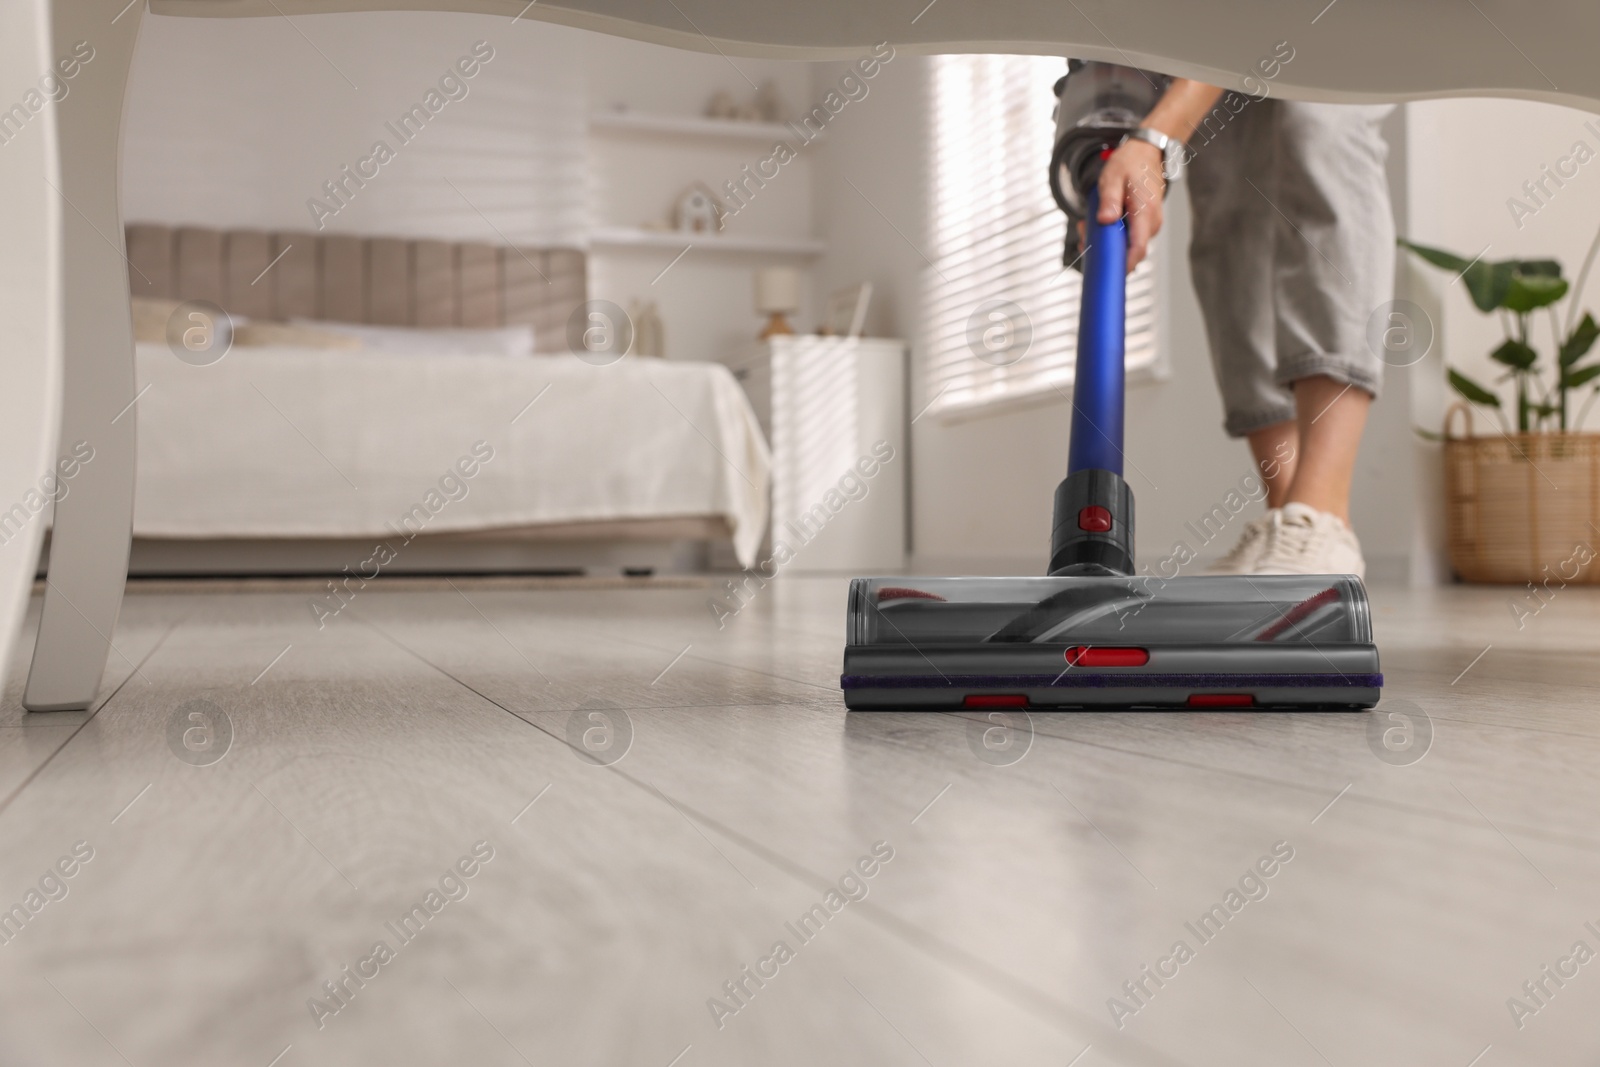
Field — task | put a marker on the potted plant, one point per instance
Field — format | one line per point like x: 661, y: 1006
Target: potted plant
x: 1523, y: 503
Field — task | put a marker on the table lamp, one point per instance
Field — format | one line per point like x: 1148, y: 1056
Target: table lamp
x: 777, y: 295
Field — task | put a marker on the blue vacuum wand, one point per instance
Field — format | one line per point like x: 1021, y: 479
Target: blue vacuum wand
x: 1096, y: 105
x: 1093, y: 531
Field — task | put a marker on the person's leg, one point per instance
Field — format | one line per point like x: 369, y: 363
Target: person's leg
x: 1334, y: 248
x: 1231, y: 263
x: 1330, y: 417
x: 1310, y: 533
x: 1276, y: 450
x: 1333, y: 252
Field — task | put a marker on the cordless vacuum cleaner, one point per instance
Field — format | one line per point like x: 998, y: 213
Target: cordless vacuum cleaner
x: 1096, y: 633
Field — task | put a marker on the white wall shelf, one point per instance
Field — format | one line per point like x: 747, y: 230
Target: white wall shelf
x: 688, y: 125
x: 612, y: 238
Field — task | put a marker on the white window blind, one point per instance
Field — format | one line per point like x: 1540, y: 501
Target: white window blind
x: 996, y: 281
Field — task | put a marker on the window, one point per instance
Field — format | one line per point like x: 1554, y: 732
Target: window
x: 996, y: 241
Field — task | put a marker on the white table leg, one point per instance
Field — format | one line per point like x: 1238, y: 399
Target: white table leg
x: 30, y: 286
x: 94, y: 518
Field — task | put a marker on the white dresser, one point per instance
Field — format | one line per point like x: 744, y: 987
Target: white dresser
x: 834, y: 410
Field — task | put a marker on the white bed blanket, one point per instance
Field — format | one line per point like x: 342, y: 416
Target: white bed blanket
x: 291, y: 442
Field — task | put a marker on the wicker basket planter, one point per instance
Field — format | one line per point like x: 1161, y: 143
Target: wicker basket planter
x: 1522, y: 507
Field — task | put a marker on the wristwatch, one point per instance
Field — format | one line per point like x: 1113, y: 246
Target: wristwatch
x: 1172, y: 150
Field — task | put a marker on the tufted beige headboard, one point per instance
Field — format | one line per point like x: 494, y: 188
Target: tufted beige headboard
x: 383, y: 281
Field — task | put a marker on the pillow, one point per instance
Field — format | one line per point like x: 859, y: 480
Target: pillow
x: 150, y: 315
x: 258, y: 334
x: 153, y: 317
x: 421, y: 341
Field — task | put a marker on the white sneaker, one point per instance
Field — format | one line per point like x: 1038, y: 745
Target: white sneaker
x: 1252, y: 545
x: 1303, y: 540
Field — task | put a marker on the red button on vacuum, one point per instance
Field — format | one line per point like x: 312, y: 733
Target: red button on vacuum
x: 1106, y: 656
x: 1221, y: 700
x: 995, y: 700
x: 1094, y: 518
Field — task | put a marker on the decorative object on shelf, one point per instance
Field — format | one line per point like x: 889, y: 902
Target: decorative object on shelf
x: 697, y: 210
x: 649, y: 336
x: 1506, y: 519
x: 847, y: 311
x: 777, y: 295
x: 765, y: 106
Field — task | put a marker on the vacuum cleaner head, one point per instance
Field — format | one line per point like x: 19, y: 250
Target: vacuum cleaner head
x: 937, y: 644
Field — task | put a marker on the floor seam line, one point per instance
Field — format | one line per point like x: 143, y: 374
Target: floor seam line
x: 1376, y: 802
x: 966, y: 963
x: 33, y: 774
x: 885, y: 920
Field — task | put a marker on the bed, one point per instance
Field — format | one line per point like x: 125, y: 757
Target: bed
x: 290, y: 457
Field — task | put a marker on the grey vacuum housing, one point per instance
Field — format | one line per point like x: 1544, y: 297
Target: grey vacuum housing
x: 1097, y: 104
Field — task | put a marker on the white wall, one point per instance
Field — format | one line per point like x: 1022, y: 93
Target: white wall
x: 982, y: 488
x: 239, y: 122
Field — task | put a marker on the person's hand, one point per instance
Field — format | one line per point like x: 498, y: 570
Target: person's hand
x: 1132, y: 184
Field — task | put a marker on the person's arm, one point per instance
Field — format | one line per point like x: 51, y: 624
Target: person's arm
x: 1133, y: 182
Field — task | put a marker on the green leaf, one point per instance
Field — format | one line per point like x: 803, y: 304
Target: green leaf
x: 1547, y: 268
x: 1437, y: 256
x: 1487, y: 283
x: 1530, y: 291
x: 1515, y: 355
x: 1520, y: 285
x: 1472, y: 390
x: 1571, y: 379
x: 1579, y: 341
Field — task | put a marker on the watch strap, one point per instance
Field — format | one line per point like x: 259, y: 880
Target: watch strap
x: 1171, y: 149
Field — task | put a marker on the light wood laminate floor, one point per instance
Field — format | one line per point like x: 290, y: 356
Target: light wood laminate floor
x: 368, y: 758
